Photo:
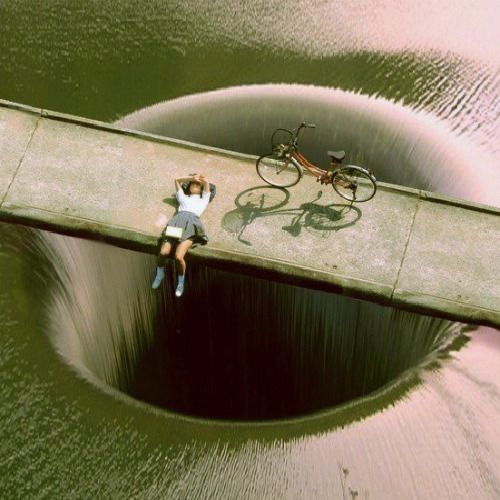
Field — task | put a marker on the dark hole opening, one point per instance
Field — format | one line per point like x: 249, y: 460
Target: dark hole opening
x: 241, y: 348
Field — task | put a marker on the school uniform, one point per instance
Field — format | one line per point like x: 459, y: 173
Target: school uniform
x: 188, y: 216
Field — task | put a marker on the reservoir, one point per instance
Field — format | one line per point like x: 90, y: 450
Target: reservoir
x: 249, y: 389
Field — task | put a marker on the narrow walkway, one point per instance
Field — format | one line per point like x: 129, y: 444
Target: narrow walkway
x: 416, y: 250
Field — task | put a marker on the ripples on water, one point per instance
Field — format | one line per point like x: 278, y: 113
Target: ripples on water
x: 441, y: 57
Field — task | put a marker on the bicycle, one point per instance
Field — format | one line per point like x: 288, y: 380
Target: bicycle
x: 285, y: 166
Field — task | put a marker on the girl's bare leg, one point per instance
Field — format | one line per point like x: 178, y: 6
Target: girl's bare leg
x: 162, y: 260
x: 164, y: 253
x: 180, y: 253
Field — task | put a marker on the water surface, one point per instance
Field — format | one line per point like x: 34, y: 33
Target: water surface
x: 417, y: 87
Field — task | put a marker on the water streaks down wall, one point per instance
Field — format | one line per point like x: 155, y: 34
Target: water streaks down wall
x: 409, y: 248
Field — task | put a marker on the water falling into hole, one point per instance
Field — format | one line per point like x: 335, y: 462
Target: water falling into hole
x: 237, y: 347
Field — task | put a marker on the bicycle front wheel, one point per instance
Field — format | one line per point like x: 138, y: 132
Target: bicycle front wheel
x: 276, y: 171
x: 355, y: 184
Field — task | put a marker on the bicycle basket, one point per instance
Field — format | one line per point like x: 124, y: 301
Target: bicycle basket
x: 281, y: 136
x: 281, y: 150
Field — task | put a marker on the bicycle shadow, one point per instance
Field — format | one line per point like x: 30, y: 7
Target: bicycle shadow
x: 263, y: 201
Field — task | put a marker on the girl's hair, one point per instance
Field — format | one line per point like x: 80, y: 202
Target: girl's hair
x: 185, y: 188
x: 188, y: 185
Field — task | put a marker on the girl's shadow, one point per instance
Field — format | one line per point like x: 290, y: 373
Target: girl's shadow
x: 172, y: 201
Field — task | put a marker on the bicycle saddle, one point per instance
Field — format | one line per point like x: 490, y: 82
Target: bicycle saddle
x: 336, y: 155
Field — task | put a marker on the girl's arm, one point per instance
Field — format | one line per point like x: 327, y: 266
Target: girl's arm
x: 180, y: 180
x: 206, y: 184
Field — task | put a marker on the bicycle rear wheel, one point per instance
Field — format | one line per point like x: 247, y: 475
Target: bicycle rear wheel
x: 278, y: 171
x: 355, y: 184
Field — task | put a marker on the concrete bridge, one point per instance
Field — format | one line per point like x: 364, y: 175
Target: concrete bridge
x: 408, y: 248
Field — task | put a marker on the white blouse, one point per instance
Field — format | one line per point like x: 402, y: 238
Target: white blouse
x: 194, y: 203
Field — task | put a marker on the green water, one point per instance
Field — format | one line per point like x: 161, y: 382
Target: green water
x: 427, y: 432
x: 106, y: 59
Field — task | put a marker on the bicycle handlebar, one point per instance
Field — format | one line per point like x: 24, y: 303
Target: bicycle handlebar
x: 299, y: 128
x: 294, y: 134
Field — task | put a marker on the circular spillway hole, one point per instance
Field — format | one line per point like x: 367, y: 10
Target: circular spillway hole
x: 234, y: 347
x: 238, y: 347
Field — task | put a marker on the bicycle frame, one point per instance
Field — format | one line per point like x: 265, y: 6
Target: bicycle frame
x: 298, y: 159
